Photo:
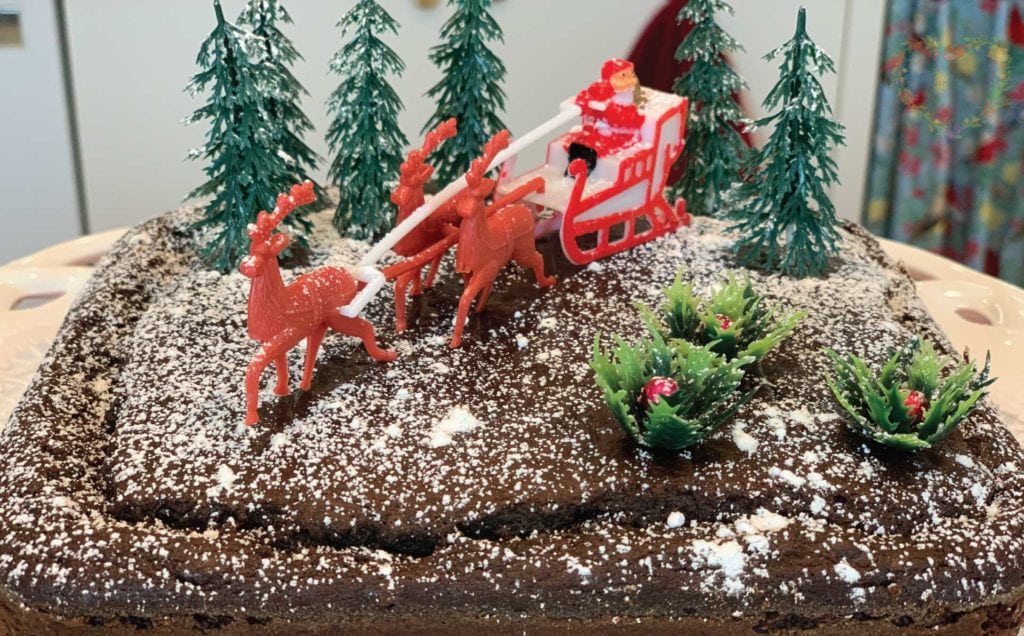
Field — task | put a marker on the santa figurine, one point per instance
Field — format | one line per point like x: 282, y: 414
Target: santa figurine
x: 611, y: 114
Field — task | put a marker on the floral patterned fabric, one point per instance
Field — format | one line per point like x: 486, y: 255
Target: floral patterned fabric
x: 947, y: 170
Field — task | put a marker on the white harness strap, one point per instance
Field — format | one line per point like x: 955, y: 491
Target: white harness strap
x: 368, y: 272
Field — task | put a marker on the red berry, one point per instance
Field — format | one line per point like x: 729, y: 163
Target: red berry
x: 655, y: 388
x: 724, y: 322
x: 915, y: 403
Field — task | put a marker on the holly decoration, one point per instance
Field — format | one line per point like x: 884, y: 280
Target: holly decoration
x: 783, y: 214
x: 364, y: 135
x: 715, y: 149
x: 634, y: 380
x: 908, y: 405
x: 246, y: 169
x: 733, y: 320
x: 284, y: 92
x: 470, y: 90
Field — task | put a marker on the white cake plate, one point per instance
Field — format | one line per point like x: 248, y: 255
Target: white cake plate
x: 978, y: 312
x: 35, y: 294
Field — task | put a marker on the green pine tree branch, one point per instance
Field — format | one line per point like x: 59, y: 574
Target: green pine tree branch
x: 782, y: 212
x: 715, y: 149
x: 364, y: 134
x: 470, y: 89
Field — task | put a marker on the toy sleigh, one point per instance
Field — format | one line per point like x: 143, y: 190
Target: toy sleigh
x: 615, y: 205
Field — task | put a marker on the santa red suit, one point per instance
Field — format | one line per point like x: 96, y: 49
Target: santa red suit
x: 611, y: 119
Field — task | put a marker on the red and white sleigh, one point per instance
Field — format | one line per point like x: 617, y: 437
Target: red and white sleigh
x: 618, y: 205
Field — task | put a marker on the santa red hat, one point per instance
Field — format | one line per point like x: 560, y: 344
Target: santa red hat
x: 612, y: 67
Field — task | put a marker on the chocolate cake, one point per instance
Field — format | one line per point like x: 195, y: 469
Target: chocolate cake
x: 486, y: 487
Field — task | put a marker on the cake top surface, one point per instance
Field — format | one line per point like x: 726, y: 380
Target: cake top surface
x: 495, y: 465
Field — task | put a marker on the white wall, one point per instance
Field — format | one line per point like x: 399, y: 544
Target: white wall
x: 131, y: 61
x: 38, y: 204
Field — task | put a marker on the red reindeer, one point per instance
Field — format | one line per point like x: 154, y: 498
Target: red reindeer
x: 280, y: 316
x: 408, y: 196
x: 488, y: 241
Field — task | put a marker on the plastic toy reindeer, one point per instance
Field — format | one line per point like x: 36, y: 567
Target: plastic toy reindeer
x: 280, y: 316
x: 487, y: 242
x: 408, y: 196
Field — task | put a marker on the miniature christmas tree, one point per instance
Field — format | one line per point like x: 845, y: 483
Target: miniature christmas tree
x: 783, y: 213
x: 471, y: 88
x: 364, y: 133
x: 246, y: 169
x: 284, y: 113
x: 715, y: 149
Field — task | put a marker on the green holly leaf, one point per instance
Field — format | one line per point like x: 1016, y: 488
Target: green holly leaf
x: 681, y: 309
x: 923, y: 370
x: 706, y: 397
x: 876, y: 404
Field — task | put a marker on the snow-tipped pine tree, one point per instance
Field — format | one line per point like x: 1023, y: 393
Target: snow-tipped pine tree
x: 364, y: 134
x: 783, y: 213
x: 284, y: 91
x: 470, y: 90
x: 715, y: 149
x: 246, y: 171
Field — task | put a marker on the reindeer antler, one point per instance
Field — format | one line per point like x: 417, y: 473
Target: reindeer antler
x: 300, y: 194
x: 445, y: 130
x: 478, y: 168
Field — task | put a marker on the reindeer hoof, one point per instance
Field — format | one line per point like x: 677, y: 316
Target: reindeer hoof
x: 547, y: 282
x: 252, y: 420
x: 305, y: 386
x: 282, y: 391
x: 388, y: 356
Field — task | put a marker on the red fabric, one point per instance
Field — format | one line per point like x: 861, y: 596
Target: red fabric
x: 1016, y: 28
x: 989, y: 150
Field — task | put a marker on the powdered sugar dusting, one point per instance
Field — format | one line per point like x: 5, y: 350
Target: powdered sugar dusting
x: 458, y: 420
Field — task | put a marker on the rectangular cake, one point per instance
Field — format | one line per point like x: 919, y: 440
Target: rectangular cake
x: 485, y: 487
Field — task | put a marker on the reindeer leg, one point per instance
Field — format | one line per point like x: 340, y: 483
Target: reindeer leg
x: 362, y: 329
x: 260, y: 361
x: 313, y: 341
x: 432, y: 272
x: 483, y: 297
x: 281, y: 365
x: 527, y: 256
x: 416, y: 288
x: 401, y: 285
x: 473, y: 287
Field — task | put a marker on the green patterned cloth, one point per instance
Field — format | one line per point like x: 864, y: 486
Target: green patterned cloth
x: 948, y: 152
